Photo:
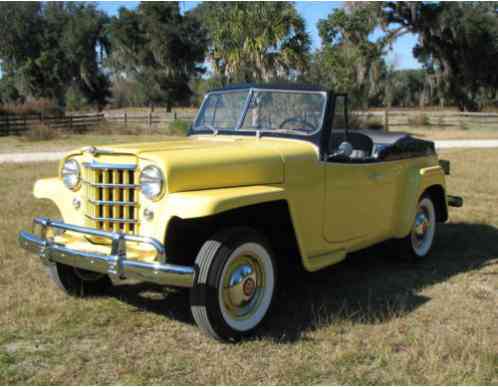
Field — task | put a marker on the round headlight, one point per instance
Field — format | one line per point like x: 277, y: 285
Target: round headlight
x: 71, y: 174
x: 151, y: 182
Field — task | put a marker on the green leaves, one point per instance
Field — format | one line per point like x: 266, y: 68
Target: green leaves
x: 257, y: 41
x: 349, y: 59
x: 50, y: 47
x: 158, y: 48
x: 458, y: 42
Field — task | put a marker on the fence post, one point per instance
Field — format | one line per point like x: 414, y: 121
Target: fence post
x: 7, y: 125
x: 174, y: 115
x: 25, y: 126
x: 125, y: 119
x: 150, y: 121
x: 386, y: 119
x: 70, y: 123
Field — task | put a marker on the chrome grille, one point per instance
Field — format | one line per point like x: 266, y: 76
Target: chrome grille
x: 111, y: 196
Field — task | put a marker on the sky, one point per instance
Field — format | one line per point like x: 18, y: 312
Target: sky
x: 400, y: 56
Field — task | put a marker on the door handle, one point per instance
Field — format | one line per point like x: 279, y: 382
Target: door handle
x: 376, y: 175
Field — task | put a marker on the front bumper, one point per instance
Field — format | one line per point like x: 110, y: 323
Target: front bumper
x: 115, y: 264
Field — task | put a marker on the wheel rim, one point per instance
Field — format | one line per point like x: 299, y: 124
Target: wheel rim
x: 243, y: 286
x: 246, y: 287
x: 423, y: 229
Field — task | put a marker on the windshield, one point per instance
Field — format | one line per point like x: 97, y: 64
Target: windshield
x: 297, y: 112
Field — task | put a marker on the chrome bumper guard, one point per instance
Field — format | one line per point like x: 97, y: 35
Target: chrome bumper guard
x: 115, y: 264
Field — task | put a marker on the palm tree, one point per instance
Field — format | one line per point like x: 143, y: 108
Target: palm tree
x: 256, y: 41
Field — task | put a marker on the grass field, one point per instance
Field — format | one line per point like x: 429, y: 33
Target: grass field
x: 17, y: 144
x: 368, y: 320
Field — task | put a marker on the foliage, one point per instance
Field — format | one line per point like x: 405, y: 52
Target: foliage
x: 40, y: 132
x: 48, y: 47
x: 179, y: 127
x: 406, y: 88
x: 255, y: 41
x: 8, y: 91
x: 158, y: 48
x: 349, y: 61
x: 458, y: 42
x: 44, y: 106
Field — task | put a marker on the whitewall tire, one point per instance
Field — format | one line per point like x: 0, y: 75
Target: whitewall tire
x: 234, y: 285
x: 418, y: 244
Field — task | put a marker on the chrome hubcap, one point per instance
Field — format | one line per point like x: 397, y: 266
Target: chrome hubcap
x: 422, y: 224
x: 243, y: 287
x: 423, y: 229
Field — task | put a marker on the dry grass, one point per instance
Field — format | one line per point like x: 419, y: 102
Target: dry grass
x: 65, y: 142
x: 432, y: 133
x: 369, y: 320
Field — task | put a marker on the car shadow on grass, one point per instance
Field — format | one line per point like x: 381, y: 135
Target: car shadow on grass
x: 368, y: 287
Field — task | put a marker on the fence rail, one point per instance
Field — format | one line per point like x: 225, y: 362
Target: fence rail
x: 389, y: 119
x: 442, y: 119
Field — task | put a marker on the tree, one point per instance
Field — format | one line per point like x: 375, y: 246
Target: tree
x: 159, y: 48
x: 49, y: 47
x: 255, y: 41
x: 458, y: 42
x: 349, y: 59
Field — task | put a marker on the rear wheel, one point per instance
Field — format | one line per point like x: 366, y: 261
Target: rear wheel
x: 419, y: 242
x: 234, y: 285
x: 78, y: 282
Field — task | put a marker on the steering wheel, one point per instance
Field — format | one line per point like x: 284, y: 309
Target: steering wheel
x: 306, y: 125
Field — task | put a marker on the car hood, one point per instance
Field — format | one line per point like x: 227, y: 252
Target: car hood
x: 205, y: 162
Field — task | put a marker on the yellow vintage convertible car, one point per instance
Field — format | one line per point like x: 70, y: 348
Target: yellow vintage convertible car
x: 267, y: 172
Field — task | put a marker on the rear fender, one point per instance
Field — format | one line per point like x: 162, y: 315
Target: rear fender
x: 418, y: 181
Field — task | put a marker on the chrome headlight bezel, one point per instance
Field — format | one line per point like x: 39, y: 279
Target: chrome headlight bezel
x: 152, y: 182
x: 71, y: 174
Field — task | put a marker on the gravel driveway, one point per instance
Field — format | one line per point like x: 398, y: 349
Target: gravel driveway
x: 53, y: 156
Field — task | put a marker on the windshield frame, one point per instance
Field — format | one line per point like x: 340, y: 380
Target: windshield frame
x: 250, y: 93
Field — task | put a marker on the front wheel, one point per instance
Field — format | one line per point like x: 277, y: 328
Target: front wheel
x: 234, y: 284
x: 419, y: 242
x: 78, y: 282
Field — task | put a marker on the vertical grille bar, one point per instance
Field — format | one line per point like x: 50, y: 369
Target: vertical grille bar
x: 126, y: 198
x: 107, y: 197
x: 111, y: 197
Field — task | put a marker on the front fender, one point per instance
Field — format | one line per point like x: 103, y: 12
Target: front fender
x: 54, y: 190
x: 201, y: 203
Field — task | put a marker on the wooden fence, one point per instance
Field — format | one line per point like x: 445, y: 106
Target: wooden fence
x: 389, y: 119
x: 147, y: 120
x: 17, y: 124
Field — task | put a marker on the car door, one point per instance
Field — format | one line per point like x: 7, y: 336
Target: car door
x: 359, y: 201
x: 359, y: 197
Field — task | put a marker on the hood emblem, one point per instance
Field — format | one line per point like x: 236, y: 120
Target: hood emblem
x: 90, y: 149
x: 93, y: 150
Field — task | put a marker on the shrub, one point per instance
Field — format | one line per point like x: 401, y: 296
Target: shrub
x: 40, y: 132
x: 419, y: 119
x: 43, y: 105
x: 179, y: 127
x: 75, y: 100
x: 374, y: 123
